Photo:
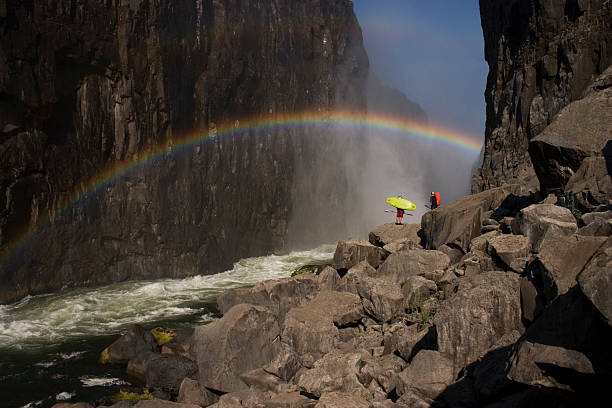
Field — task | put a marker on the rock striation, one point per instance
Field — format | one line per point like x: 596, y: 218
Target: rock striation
x: 88, y: 88
x: 542, y: 56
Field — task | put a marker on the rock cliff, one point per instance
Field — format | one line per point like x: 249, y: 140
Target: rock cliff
x: 85, y: 85
x: 542, y: 56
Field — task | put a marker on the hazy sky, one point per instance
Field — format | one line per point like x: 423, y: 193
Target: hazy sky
x: 432, y: 50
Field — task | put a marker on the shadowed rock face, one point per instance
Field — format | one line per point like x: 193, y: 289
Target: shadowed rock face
x: 542, y: 56
x: 86, y: 86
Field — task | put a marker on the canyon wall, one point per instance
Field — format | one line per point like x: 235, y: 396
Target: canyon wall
x: 88, y: 84
x: 542, y: 56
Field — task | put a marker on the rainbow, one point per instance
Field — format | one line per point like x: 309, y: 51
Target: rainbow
x: 340, y: 119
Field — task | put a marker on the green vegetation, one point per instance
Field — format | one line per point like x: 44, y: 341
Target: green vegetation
x: 162, y: 335
x: 422, y: 311
x: 103, y: 356
x: 131, y: 396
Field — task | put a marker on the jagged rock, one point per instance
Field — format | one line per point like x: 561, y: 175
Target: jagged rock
x: 560, y: 261
x: 341, y: 400
x: 454, y: 254
x: 512, y: 250
x: 528, y: 361
x: 582, y: 129
x: 593, y: 216
x: 310, y: 329
x: 285, y: 364
x: 290, y: 400
x: 387, y: 233
x: 250, y: 398
x: 542, y: 56
x: 190, y: 392
x: 597, y: 224
x: 532, y: 303
x: 416, y: 289
x: 243, y: 339
x: 133, y: 343
x: 459, y: 222
x: 383, y: 371
x: 591, y: 185
x: 162, y: 404
x: 334, y: 372
x: 381, y: 299
x: 427, y: 376
x: 261, y: 380
x: 596, y: 280
x: 401, y: 338
x: 349, y: 282
x: 489, y: 228
x: 352, y: 251
x: 397, y: 246
x: 329, y: 279
x: 181, y: 344
x: 278, y: 296
x: 568, y: 327
x: 475, y: 262
x: 399, y: 266
x: 542, y: 222
x: 485, y: 308
x: 167, y: 372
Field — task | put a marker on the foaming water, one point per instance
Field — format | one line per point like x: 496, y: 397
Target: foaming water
x: 40, y: 321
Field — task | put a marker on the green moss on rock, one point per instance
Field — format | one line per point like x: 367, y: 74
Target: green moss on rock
x: 162, y: 335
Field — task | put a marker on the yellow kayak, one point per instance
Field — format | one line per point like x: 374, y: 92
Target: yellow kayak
x: 401, y: 203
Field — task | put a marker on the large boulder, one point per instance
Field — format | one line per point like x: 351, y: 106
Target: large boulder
x: 381, y: 298
x: 312, y: 330
x: 591, y: 185
x: 459, y: 222
x: 352, y: 251
x: 190, y: 392
x: 597, y: 224
x: 560, y: 261
x: 427, y: 376
x: 168, y: 372
x: 336, y: 371
x: 387, y: 233
x: 133, y: 343
x: 244, y: 339
x: 596, y: 280
x: 341, y: 400
x: 349, y: 282
x: 512, y: 251
x: 277, y: 295
x: 384, y: 371
x: 485, y: 308
x: 398, y: 267
x: 542, y: 222
x: 582, y: 129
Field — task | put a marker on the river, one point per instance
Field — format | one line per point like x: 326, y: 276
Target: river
x: 49, y: 344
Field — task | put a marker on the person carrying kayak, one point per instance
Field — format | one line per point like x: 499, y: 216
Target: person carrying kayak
x: 399, y: 216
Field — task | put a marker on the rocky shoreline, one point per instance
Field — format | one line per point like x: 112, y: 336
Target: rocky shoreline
x: 510, y: 306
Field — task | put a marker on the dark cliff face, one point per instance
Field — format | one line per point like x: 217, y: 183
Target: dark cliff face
x: 87, y: 84
x: 542, y: 55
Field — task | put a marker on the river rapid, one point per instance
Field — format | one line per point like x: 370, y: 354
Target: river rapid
x: 49, y: 344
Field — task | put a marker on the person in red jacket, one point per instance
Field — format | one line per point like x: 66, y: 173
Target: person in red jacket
x: 434, y: 200
x: 399, y: 216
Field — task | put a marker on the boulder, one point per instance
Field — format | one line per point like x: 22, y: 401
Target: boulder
x: 529, y: 360
x: 593, y: 216
x: 453, y: 253
x: 416, y: 289
x: 349, y: 282
x: 168, y: 372
x: 352, y: 251
x: 334, y: 372
x: 383, y: 371
x: 489, y: 374
x: 243, y: 339
x: 181, y: 344
x: 341, y: 400
x: 162, y: 404
x: 311, y: 329
x: 190, y: 392
x: 382, y: 299
x: 485, y: 308
x: 512, y: 251
x: 597, y: 228
x: 134, y: 342
x: 329, y: 279
x: 582, y: 129
x: 532, y: 302
x: 387, y: 233
x: 402, y: 339
x: 250, y: 398
x: 591, y: 185
x: 398, y: 267
x: 290, y: 400
x: 427, y: 376
x: 285, y: 364
x: 542, y: 222
x: 459, y: 222
x: 560, y: 261
x: 596, y: 280
x: 261, y: 380
x: 277, y: 295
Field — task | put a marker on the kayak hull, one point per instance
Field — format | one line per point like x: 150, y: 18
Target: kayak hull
x: 401, y: 203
